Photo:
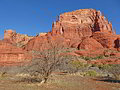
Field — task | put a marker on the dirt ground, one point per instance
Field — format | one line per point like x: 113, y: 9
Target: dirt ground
x: 60, y: 82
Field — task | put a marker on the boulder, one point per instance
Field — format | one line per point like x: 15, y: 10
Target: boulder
x: 90, y: 44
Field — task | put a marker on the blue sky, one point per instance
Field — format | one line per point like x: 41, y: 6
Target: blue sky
x: 34, y: 16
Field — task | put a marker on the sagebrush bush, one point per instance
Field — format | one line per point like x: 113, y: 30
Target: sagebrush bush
x: 104, y: 67
x: 91, y: 73
x: 99, y: 57
x: 73, y: 66
x: 86, y: 58
x: 115, y: 70
x: 94, y: 65
x: 92, y: 58
x: 78, y: 64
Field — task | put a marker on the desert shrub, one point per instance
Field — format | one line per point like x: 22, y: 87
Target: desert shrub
x: 92, y: 58
x: 104, y: 66
x: 69, y: 67
x: 115, y: 71
x: 82, y: 49
x: 3, y: 74
x: 86, y: 58
x: 69, y: 49
x: 73, y: 65
x: 99, y: 57
x: 94, y: 65
x: 91, y: 73
x: 77, y: 64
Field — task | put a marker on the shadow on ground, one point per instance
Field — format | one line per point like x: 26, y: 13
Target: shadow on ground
x: 29, y: 80
x: 107, y: 79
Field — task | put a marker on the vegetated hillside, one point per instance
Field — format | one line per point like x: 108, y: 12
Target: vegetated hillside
x: 86, y: 30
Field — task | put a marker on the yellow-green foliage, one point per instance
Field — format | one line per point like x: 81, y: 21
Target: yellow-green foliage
x: 78, y: 64
x: 91, y: 73
x: 92, y: 58
x: 105, y: 66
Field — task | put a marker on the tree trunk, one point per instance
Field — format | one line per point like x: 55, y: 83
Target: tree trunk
x: 45, y: 79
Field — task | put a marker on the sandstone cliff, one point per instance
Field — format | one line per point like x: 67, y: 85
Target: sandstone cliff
x: 8, y: 52
x: 77, y: 25
x: 84, y: 29
x: 16, y: 38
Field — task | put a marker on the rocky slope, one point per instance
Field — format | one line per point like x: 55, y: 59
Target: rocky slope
x: 84, y: 29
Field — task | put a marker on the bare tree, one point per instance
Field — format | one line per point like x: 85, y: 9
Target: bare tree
x: 47, y: 60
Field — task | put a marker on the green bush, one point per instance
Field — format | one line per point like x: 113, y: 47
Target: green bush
x: 115, y: 71
x: 99, y: 57
x: 91, y: 73
x: 77, y: 64
x: 104, y: 67
x: 86, y: 58
x: 92, y: 58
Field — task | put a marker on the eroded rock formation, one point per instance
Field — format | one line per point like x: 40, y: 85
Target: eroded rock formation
x: 84, y: 29
x: 77, y: 25
x: 16, y: 38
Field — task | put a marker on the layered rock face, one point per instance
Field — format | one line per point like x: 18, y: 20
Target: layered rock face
x: 8, y: 52
x: 82, y: 23
x: 16, y: 38
x: 11, y: 50
x: 106, y: 40
x: 39, y: 43
x: 77, y: 25
x: 84, y: 29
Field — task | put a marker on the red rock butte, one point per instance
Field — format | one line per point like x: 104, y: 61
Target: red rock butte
x: 86, y: 29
